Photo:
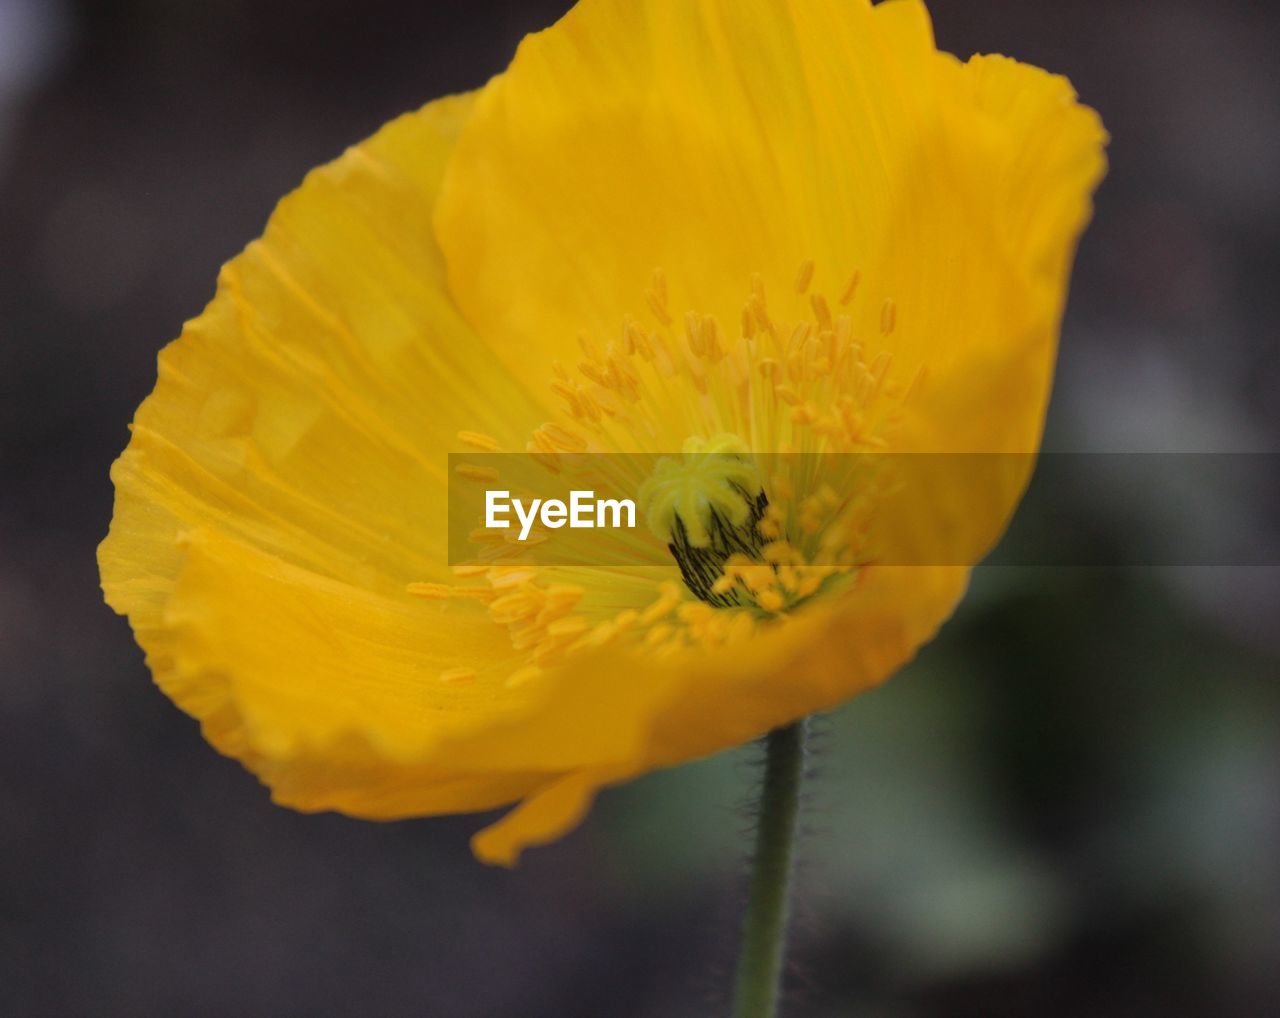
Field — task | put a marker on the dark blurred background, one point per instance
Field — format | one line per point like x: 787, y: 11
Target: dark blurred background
x: 1068, y: 805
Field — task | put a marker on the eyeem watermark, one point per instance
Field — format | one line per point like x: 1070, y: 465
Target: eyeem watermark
x: 907, y: 509
x: 582, y: 512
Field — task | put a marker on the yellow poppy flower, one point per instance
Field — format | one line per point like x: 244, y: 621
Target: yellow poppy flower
x: 862, y: 244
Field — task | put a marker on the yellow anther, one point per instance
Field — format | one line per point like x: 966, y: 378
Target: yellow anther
x: 479, y: 440
x: 763, y: 322
x: 594, y: 373
x: 542, y: 456
x: 474, y: 473
x: 564, y: 593
x: 565, y: 390
x: 723, y: 585
x: 693, y: 613
x: 850, y: 289
x: 827, y: 337
x: 660, y: 283
x: 813, y: 349
x: 741, y: 627
x: 597, y: 636
x: 770, y: 600
x: 709, y: 330
x: 781, y: 551
x: 563, y: 439
x: 917, y: 383
x: 524, y: 635
x: 658, y: 305
x: 512, y: 608
x: 658, y: 634
x: 820, y: 310
x: 660, y: 608
x: 805, y: 414
x: 811, y: 581
x: 549, y: 652
x: 430, y: 591
x: 788, y: 578
x: 805, y: 276
x: 522, y: 676
x: 888, y: 316
x: 757, y: 578
x: 693, y: 334
x: 573, y: 626
x: 510, y: 576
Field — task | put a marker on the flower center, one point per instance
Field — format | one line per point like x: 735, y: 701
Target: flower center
x: 708, y: 506
x: 755, y: 512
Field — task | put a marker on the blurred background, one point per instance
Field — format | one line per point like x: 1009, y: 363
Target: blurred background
x: 1069, y: 805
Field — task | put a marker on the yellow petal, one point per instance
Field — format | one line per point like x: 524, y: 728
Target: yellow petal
x: 979, y: 271
x: 721, y: 138
x: 540, y: 818
x: 699, y: 704
x: 308, y: 411
x: 285, y: 482
x: 813, y: 662
x: 344, y: 698
x: 688, y: 136
x: 304, y: 662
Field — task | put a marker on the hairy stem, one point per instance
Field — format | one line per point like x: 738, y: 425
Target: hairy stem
x: 764, y: 934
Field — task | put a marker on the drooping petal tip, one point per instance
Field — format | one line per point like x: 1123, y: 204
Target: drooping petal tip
x: 542, y: 817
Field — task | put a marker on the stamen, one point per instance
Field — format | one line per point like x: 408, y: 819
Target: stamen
x: 820, y: 310
x: 660, y: 283
x: 770, y: 600
x: 656, y: 297
x: 475, y: 473
x: 447, y: 592
x: 888, y: 316
x: 561, y: 439
x: 797, y: 379
x: 805, y: 276
x: 850, y: 289
x: 479, y: 440
x: 522, y: 677
x: 574, y: 626
x: 431, y: 591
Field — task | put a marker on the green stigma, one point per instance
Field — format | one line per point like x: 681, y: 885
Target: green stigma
x: 707, y: 505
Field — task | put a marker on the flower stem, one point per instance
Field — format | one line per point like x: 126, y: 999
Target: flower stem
x: 764, y: 933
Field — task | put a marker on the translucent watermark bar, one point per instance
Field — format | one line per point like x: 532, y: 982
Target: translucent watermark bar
x: 855, y: 509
